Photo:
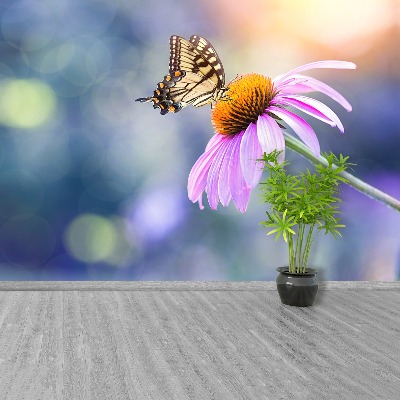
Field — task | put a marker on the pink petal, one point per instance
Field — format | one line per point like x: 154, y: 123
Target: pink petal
x: 301, y: 127
x: 200, y: 200
x: 320, y: 107
x: 306, y: 84
x: 239, y: 190
x: 198, y: 175
x: 270, y: 136
x: 250, y: 151
x: 214, y: 174
x: 224, y: 190
x: 287, y: 101
x: 318, y: 64
x: 214, y: 140
x: 305, y: 106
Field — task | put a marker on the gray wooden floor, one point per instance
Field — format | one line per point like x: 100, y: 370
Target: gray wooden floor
x: 197, y: 340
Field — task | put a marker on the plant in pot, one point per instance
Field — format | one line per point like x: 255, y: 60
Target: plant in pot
x: 300, y: 206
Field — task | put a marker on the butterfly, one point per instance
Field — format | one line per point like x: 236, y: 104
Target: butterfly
x: 196, y: 76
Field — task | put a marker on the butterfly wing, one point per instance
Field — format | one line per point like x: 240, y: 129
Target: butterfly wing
x: 195, y: 74
x: 206, y: 49
x: 204, y: 73
x: 190, y: 91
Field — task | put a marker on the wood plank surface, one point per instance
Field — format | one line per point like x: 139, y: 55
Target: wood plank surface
x: 184, y: 285
x: 190, y: 342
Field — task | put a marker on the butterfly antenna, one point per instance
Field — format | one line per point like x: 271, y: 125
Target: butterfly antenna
x: 144, y: 99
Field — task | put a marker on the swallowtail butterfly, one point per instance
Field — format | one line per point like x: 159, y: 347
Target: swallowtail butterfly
x: 196, y: 76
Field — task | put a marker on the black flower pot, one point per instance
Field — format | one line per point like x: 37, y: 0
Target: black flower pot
x: 297, y: 289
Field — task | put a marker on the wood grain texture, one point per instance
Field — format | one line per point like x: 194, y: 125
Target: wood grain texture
x: 198, y: 344
x: 183, y: 285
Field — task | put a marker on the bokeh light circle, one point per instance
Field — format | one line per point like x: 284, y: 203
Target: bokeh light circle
x: 90, y: 238
x: 25, y: 103
x: 37, y: 37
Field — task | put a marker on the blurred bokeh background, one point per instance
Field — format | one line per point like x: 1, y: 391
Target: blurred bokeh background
x: 93, y: 185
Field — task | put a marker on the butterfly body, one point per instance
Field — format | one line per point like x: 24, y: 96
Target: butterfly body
x: 196, y: 76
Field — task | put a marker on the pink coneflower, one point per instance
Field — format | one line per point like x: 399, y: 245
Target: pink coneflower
x: 246, y: 126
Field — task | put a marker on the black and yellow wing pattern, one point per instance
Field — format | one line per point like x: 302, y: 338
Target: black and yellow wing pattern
x: 196, y: 76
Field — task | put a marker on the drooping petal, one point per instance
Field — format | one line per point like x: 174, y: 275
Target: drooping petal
x: 250, y: 151
x: 301, y: 128
x: 270, y: 136
x: 320, y: 107
x: 334, y: 64
x: 214, y: 141
x: 239, y: 189
x: 311, y: 107
x: 200, y: 200
x: 306, y: 84
x: 288, y: 101
x: 198, y: 175
x: 224, y: 190
x: 214, y: 174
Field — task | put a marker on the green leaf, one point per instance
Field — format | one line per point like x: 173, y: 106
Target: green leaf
x: 305, y: 199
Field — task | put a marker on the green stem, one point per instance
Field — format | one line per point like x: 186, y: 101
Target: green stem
x: 291, y: 255
x: 308, y: 246
x: 299, y: 246
x: 296, y: 246
x: 361, y: 186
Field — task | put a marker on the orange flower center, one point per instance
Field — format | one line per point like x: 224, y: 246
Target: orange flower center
x: 247, y: 98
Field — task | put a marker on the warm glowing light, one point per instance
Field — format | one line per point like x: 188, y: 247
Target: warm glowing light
x: 337, y: 22
x: 294, y: 29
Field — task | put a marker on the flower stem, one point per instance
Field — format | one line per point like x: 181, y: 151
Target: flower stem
x: 370, y: 191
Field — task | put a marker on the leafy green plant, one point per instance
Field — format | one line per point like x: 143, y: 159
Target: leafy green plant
x: 300, y: 203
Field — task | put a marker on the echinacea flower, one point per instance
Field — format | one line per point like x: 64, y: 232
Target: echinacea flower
x: 248, y: 124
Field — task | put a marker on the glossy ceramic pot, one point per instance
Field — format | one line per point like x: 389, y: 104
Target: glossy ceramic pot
x: 297, y: 289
